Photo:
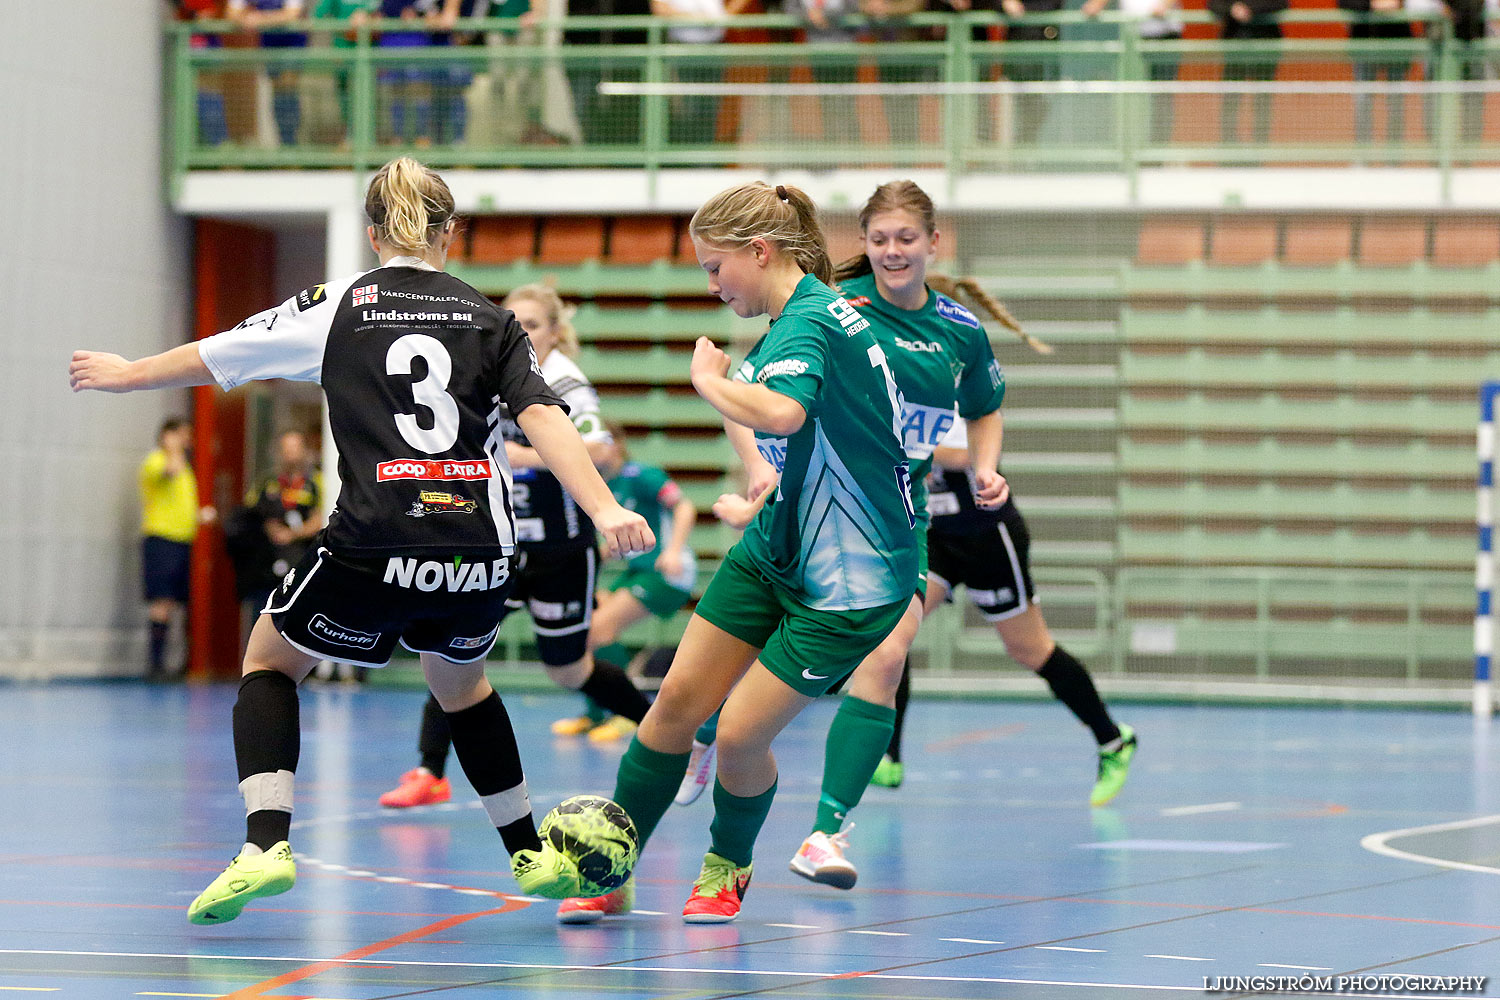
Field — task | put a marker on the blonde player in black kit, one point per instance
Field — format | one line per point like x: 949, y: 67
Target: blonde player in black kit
x: 415, y: 365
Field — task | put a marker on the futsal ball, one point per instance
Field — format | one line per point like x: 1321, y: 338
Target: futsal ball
x: 598, y: 836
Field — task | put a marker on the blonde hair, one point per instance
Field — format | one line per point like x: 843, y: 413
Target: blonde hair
x: 783, y: 216
x: 406, y: 202
x: 559, y: 313
x: 906, y: 196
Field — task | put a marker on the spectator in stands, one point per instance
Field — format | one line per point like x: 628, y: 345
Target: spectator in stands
x: 1155, y: 22
x: 824, y: 23
x: 517, y: 90
x: 693, y: 118
x: 1468, y: 26
x: 358, y: 12
x: 1366, y: 70
x: 213, y: 121
x: 265, y: 16
x: 1031, y: 109
x: 451, y: 82
x: 605, y: 118
x: 169, y: 523
x: 1247, y: 20
x: 407, y: 92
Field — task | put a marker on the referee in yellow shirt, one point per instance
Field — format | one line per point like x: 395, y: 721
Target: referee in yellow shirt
x: 169, y: 521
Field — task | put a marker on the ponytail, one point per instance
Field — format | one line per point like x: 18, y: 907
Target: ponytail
x: 406, y: 203
x: 783, y: 216
x: 961, y: 289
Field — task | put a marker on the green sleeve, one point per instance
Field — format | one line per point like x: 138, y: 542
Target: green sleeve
x: 982, y: 385
x: 792, y: 359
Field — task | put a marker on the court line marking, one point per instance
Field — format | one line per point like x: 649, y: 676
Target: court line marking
x: 1181, y: 958
x: 32, y: 989
x: 1209, y: 807
x: 970, y: 941
x: 536, y: 966
x: 1058, y: 947
x: 1378, y: 843
x: 1304, y: 968
x: 883, y: 933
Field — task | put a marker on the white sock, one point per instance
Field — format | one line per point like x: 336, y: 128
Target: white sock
x: 250, y: 851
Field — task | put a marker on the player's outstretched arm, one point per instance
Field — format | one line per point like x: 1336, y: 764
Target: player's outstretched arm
x: 181, y: 366
x: 556, y: 440
x: 754, y: 406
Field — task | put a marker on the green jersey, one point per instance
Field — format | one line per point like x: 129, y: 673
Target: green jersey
x: 838, y: 534
x: 649, y: 492
x: 941, y: 358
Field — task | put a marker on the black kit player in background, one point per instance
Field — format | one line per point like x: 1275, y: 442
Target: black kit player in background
x: 415, y: 365
x: 557, y: 562
x: 988, y: 551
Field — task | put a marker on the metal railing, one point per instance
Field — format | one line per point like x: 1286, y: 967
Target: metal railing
x: 937, y: 92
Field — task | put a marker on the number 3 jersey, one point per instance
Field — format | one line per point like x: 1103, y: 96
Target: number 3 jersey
x: 838, y: 534
x: 416, y: 366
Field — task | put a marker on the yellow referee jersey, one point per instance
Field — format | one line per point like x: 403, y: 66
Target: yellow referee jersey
x: 169, y: 504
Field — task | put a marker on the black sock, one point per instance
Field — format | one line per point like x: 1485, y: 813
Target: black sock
x: 1071, y: 684
x: 267, y: 740
x: 486, y: 746
x: 434, y: 742
x: 610, y: 687
x: 156, y: 648
x: 903, y: 695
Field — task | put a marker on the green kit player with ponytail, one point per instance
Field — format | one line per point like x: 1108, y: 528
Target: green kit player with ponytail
x: 825, y: 569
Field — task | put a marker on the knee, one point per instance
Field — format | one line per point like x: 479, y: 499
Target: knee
x: 876, y: 679
x: 571, y: 675
x: 1028, y: 652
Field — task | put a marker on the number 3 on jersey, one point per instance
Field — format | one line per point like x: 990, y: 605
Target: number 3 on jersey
x: 903, y: 470
x: 430, y: 393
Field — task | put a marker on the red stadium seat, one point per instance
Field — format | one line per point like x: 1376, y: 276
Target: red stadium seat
x: 501, y: 239
x: 1317, y: 241
x: 1465, y: 242
x: 641, y: 239
x: 1243, y: 242
x: 1392, y: 241
x: 1172, y: 240
x: 571, y: 239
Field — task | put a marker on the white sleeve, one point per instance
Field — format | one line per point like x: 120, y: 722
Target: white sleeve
x: 287, y: 341
x: 583, y: 402
x: 958, y: 437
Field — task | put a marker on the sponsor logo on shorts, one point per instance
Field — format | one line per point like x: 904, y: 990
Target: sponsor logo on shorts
x: 809, y: 675
x: 366, y: 295
x: 555, y: 611
x: 477, y: 642
x: 452, y: 575
x: 435, y: 502
x: 1004, y: 595
x: 948, y: 309
x: 328, y: 630
x: 424, y: 468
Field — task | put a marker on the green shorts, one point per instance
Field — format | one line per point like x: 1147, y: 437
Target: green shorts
x: 652, y: 589
x: 811, y: 651
x: 922, y: 558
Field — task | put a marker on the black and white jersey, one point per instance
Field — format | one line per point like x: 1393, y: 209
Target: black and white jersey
x: 417, y: 367
x: 546, y: 516
x: 950, y: 494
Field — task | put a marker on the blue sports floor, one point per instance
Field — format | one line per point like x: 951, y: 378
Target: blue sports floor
x: 1235, y: 851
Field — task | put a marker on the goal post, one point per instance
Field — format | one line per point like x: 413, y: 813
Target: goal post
x: 1484, y: 560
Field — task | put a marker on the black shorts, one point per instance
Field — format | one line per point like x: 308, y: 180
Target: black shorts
x: 356, y: 610
x: 557, y: 588
x: 165, y: 568
x: 992, y: 561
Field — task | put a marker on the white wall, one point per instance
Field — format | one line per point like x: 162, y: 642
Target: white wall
x: 91, y: 257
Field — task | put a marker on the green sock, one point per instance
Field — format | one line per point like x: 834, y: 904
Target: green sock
x: 737, y: 822
x: 646, y: 782
x: 709, y: 731
x: 858, y: 737
x: 596, y: 712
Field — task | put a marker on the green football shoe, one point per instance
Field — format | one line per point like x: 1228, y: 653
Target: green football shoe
x: 246, y: 878
x: 547, y: 873
x: 1114, y: 768
x: 888, y: 773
